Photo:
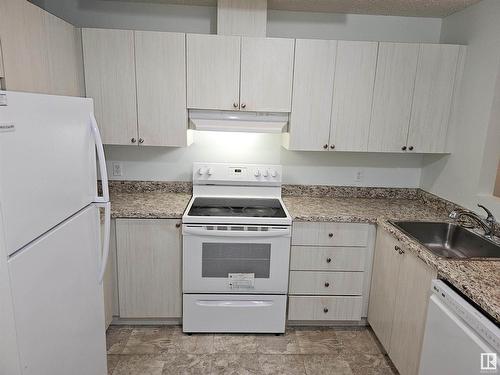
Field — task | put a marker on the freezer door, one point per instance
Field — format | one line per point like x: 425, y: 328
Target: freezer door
x: 47, y: 163
x: 58, y: 301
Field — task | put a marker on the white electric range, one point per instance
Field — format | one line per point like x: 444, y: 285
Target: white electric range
x: 236, y: 248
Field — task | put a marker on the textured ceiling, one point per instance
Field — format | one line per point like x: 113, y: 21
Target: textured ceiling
x: 413, y: 8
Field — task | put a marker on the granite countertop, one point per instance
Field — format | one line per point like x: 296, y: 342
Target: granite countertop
x: 358, y: 210
x: 478, y: 280
x: 148, y: 205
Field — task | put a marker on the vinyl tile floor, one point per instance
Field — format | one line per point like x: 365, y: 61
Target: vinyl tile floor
x: 165, y: 350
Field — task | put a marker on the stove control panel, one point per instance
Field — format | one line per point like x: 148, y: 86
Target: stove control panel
x: 236, y: 174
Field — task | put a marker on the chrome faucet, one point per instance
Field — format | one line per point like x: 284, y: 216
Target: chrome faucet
x: 487, y: 224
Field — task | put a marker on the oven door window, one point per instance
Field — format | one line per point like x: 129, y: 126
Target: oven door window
x: 221, y: 259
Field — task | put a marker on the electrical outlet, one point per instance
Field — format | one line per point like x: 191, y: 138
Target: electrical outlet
x: 358, y: 176
x: 117, y: 168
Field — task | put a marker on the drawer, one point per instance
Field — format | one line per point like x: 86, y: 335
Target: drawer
x: 324, y: 308
x: 309, y: 258
x: 330, y: 234
x: 234, y: 313
x: 326, y: 283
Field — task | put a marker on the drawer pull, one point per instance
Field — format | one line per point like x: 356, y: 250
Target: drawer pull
x: 330, y: 235
x: 328, y: 260
x: 327, y: 284
x: 325, y: 310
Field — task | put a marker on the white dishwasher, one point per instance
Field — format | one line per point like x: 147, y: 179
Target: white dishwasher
x: 458, y: 338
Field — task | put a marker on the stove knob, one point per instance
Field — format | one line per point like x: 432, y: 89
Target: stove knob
x: 209, y: 171
x: 274, y: 173
x: 265, y: 173
x: 257, y: 173
x: 202, y: 171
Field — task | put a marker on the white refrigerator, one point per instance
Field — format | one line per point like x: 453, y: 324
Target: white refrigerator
x: 52, y: 259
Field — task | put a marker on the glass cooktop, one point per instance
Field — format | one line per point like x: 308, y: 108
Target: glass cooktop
x: 240, y: 207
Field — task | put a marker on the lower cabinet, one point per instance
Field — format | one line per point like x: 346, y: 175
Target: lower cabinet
x: 330, y: 266
x: 149, y: 268
x: 400, y: 290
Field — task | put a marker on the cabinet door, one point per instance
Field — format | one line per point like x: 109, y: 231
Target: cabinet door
x: 393, y: 95
x: 312, y: 94
x: 266, y: 74
x: 412, y: 297
x: 213, y: 71
x: 353, y: 95
x: 161, y: 88
x: 386, y: 268
x: 149, y: 268
x: 436, y: 69
x: 110, y: 81
x: 64, y: 57
x: 24, y: 42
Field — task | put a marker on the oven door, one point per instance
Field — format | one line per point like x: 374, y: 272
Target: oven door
x: 235, y: 259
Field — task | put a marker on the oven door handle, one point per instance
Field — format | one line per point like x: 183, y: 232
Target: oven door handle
x: 234, y: 303
x: 235, y: 233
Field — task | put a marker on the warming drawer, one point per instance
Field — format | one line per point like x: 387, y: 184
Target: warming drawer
x: 234, y: 313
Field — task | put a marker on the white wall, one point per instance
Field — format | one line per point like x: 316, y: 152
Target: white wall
x: 466, y: 176
x: 162, y: 163
x: 135, y: 15
x: 200, y: 19
x: 352, y: 27
x: 149, y: 163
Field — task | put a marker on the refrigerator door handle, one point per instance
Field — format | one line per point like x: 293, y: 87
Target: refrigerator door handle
x: 105, y: 243
x: 102, y: 161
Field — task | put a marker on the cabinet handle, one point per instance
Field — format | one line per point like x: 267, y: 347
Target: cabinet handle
x: 328, y: 260
x: 177, y: 225
x: 243, y: 105
x: 332, y: 146
x: 410, y: 148
x: 403, y: 148
x: 133, y: 140
x: 325, y: 310
x: 235, y: 105
x: 325, y: 146
x: 327, y: 284
x: 401, y: 251
x: 330, y: 235
x: 141, y: 140
x: 397, y: 248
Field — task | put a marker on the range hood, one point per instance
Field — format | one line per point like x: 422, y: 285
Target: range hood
x: 238, y: 121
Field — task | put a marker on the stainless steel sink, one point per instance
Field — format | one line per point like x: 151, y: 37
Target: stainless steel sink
x: 449, y: 240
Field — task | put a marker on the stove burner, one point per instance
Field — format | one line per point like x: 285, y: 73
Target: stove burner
x: 260, y: 211
x: 239, y: 207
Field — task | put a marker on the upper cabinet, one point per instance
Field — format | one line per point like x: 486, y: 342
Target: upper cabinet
x: 160, y: 60
x: 233, y: 73
x: 110, y: 81
x: 342, y: 95
x: 432, y: 99
x: 266, y: 74
x: 64, y: 47
x: 138, y: 83
x: 353, y: 95
x: 332, y: 95
x: 213, y: 72
x: 41, y: 53
x: 393, y: 95
x: 413, y: 96
x: 309, y: 127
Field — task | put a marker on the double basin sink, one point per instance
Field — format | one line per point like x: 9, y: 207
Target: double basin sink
x: 449, y: 240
